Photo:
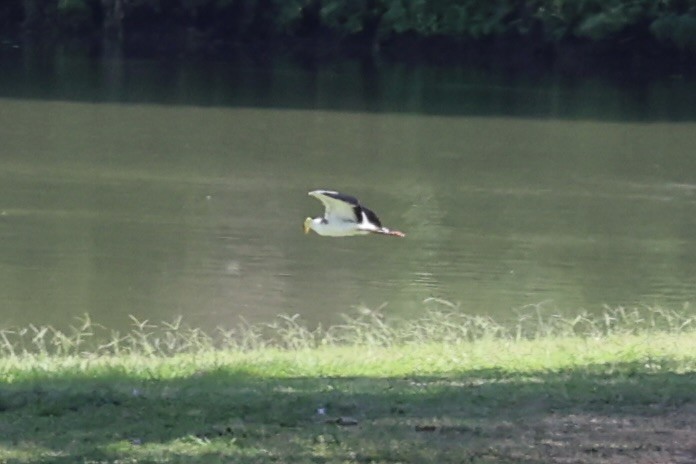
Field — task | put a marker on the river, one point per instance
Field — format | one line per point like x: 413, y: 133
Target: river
x: 162, y: 187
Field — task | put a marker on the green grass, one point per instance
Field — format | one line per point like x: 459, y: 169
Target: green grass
x: 442, y: 389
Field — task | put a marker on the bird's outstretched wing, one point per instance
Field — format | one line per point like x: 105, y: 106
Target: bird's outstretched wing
x: 339, y: 207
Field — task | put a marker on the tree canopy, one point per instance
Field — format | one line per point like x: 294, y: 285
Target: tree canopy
x: 605, y: 25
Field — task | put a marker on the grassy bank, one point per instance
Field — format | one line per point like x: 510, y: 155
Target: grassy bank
x: 620, y: 387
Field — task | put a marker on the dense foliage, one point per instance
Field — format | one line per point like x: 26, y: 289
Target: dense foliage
x: 623, y: 23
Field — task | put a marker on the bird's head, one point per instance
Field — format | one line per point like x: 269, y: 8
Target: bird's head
x: 307, y: 225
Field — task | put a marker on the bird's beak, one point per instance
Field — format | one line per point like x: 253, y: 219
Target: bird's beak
x: 306, y: 225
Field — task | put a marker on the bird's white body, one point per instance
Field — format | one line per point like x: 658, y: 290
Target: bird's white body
x: 344, y: 216
x: 335, y: 228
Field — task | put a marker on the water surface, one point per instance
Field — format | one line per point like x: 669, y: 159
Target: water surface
x: 137, y: 186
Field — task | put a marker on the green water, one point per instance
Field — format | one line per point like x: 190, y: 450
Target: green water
x: 164, y: 188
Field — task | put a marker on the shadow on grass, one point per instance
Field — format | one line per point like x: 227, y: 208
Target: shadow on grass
x: 617, y: 413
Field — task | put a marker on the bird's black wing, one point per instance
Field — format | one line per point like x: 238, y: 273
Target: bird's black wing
x: 369, y: 214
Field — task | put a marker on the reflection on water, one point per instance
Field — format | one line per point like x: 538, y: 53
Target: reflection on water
x: 132, y: 188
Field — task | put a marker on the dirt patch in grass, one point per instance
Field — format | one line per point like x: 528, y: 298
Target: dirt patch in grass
x: 624, y: 438
x: 542, y: 428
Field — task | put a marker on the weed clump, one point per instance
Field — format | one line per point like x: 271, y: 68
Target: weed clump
x: 441, y: 322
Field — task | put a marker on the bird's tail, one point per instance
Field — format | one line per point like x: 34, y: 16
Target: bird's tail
x: 393, y: 233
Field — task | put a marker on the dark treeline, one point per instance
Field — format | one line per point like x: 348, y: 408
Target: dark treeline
x: 647, y: 28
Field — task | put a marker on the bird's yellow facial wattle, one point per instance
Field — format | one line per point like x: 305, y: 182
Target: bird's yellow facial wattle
x: 307, y: 222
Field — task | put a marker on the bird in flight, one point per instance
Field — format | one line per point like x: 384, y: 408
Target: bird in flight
x: 344, y: 216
